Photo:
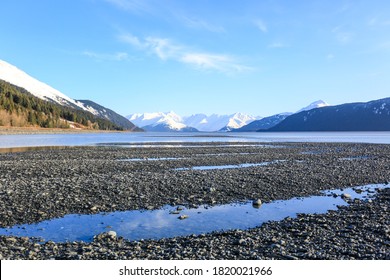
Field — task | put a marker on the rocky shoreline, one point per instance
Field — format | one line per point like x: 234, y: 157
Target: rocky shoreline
x: 43, y: 184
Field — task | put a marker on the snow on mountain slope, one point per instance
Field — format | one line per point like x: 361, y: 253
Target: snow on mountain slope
x: 15, y: 76
x: 238, y: 120
x: 169, y: 120
x: 218, y: 122
x: 314, y: 105
x: 200, y: 122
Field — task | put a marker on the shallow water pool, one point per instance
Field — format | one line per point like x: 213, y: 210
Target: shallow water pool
x: 157, y: 224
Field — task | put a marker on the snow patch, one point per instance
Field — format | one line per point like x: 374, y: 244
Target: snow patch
x: 17, y: 77
x: 314, y: 105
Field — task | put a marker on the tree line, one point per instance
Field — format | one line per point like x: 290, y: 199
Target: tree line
x: 18, y: 107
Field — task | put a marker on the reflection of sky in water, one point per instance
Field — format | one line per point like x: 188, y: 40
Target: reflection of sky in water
x: 150, y: 137
x: 155, y: 224
x: 229, y: 166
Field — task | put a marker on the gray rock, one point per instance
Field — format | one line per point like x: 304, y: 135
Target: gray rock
x: 112, y: 234
x: 257, y: 203
x: 182, y: 217
x: 346, y: 196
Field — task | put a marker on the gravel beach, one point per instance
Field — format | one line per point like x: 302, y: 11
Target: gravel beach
x: 47, y: 183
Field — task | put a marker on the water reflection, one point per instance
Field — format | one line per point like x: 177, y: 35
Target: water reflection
x: 80, y: 139
x: 28, y: 149
x: 229, y: 166
x: 156, y: 224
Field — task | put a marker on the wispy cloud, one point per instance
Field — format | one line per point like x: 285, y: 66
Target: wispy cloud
x: 375, y: 21
x: 197, y: 23
x: 222, y: 63
x: 131, y: 5
x: 330, y: 56
x: 119, y: 56
x: 342, y: 36
x: 132, y: 40
x: 165, y: 49
x: 277, y: 45
x: 260, y: 24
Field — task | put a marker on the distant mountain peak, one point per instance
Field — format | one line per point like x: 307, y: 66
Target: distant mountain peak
x: 314, y: 105
x: 159, y: 121
x: 200, y: 122
x: 369, y: 116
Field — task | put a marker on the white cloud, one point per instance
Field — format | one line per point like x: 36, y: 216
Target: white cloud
x: 222, y: 63
x: 131, y: 5
x: 277, y: 45
x: 163, y: 48
x: 132, y: 40
x: 375, y: 22
x: 201, y: 24
x: 119, y: 56
x: 343, y: 37
x: 261, y: 25
x: 166, y: 49
x: 330, y: 56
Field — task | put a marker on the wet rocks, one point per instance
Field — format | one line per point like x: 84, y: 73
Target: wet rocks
x: 39, y: 185
x: 183, y: 217
x: 346, y: 196
x: 110, y: 235
x: 257, y: 203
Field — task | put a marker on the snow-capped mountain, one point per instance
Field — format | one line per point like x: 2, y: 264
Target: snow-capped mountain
x: 264, y: 123
x: 218, y: 122
x: 268, y: 122
x: 160, y: 121
x: 197, y: 122
x: 314, y: 105
x: 17, y: 77
x: 368, y: 116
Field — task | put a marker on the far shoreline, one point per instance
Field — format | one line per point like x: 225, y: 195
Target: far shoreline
x: 6, y: 130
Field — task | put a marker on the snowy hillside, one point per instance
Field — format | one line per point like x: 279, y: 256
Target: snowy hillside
x: 314, y: 105
x: 17, y: 77
x: 218, y: 122
x: 159, y: 121
x: 200, y: 122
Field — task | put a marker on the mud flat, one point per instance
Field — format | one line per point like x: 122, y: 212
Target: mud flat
x: 45, y: 184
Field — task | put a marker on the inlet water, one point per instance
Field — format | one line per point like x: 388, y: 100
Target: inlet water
x: 157, y: 224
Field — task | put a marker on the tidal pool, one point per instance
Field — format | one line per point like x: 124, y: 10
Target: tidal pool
x: 228, y: 166
x: 157, y: 224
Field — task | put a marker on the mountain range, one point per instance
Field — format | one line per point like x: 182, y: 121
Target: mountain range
x: 171, y: 121
x: 271, y: 121
x: 26, y: 101
x: 369, y: 116
x: 237, y: 122
x: 16, y: 77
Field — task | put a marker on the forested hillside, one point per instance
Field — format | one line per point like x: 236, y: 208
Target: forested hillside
x: 20, y: 108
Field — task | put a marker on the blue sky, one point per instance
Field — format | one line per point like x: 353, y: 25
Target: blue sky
x: 253, y: 56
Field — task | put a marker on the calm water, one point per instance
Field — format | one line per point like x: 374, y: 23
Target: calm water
x: 156, y: 224
x: 8, y: 141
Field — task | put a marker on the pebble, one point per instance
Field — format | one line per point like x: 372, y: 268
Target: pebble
x: 346, y: 196
x: 257, y: 203
x: 91, y: 179
x: 111, y: 234
x: 182, y: 217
